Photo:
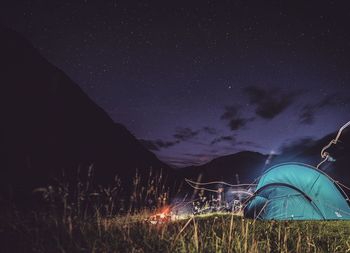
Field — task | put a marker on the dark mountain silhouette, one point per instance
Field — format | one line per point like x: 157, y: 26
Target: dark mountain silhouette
x: 48, y: 124
x: 242, y: 167
x: 249, y: 165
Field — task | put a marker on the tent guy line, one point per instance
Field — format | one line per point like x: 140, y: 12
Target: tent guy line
x: 325, y: 155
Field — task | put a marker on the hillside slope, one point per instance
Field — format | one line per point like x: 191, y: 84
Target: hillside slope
x: 49, y: 124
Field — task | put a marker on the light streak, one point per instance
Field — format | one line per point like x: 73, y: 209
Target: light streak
x: 325, y: 155
x: 217, y: 182
x: 242, y: 192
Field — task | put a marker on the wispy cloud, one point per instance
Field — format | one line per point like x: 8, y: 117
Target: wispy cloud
x: 308, y: 111
x: 181, y: 134
x: 185, y: 133
x: 269, y: 102
x: 226, y: 138
x: 156, y: 145
x: 209, y: 130
x: 233, y: 116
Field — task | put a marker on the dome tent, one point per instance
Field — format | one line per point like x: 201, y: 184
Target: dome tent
x: 294, y: 191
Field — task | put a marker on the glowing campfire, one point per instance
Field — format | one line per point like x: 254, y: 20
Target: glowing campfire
x: 159, y: 218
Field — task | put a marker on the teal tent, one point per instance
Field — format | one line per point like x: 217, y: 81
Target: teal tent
x: 294, y: 191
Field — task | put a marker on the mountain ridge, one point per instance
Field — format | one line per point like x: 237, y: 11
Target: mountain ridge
x: 49, y: 124
x: 249, y: 165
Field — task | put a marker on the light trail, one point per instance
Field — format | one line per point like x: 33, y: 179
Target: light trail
x: 216, y: 182
x: 325, y: 155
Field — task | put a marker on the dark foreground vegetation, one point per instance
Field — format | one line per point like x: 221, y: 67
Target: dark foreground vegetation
x: 46, y: 232
x: 80, y: 217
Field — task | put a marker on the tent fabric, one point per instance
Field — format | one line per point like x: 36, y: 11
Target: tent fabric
x: 294, y: 191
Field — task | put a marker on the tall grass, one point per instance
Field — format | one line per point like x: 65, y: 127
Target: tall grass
x: 130, y: 233
x: 81, y: 217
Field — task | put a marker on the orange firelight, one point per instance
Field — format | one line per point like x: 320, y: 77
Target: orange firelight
x: 162, y: 217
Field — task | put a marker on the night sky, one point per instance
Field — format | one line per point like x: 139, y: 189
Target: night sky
x: 201, y: 79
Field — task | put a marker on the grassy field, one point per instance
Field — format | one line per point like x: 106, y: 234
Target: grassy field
x: 43, y: 232
x: 81, y: 218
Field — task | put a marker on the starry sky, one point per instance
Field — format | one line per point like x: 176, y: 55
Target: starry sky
x: 201, y: 79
